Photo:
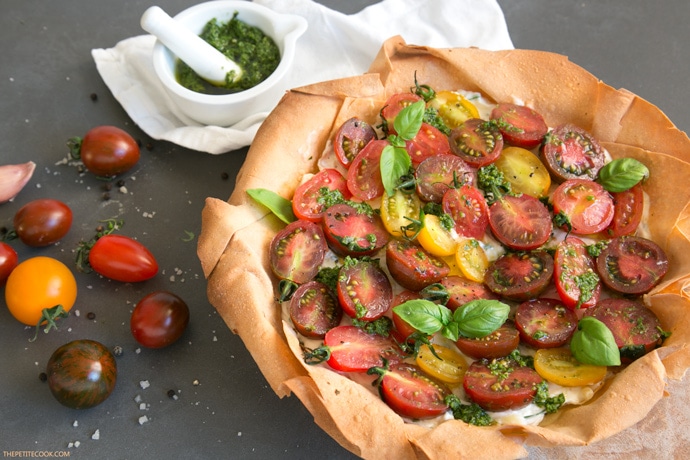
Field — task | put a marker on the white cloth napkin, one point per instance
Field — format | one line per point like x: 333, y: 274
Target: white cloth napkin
x: 335, y: 45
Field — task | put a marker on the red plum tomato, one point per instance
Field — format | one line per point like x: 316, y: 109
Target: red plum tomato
x: 108, y: 151
x: 121, y: 258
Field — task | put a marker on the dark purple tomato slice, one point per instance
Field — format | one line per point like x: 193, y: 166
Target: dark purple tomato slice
x: 586, y: 204
x: 467, y: 207
x: 314, y: 310
x: 351, y: 138
x: 520, y: 276
x: 570, y: 152
x: 520, y: 222
x: 545, y: 323
x: 575, y: 275
x: 364, y: 290
x: 628, y: 207
x: 351, y: 232
x: 428, y: 142
x: 632, y: 265
x: 520, y: 125
x: 498, y: 344
x: 364, y: 175
x: 411, y: 393
x: 635, y: 327
x: 438, y: 174
x: 501, y: 392
x: 462, y: 290
x: 476, y: 141
x: 412, y: 267
x: 305, y: 201
x: 354, y: 350
x: 297, y: 251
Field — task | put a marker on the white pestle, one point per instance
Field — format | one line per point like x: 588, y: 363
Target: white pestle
x: 211, y: 65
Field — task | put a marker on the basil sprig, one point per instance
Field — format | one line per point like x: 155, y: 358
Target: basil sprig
x: 476, y: 319
x: 622, y: 174
x: 278, y: 205
x: 395, y: 161
x: 593, y: 343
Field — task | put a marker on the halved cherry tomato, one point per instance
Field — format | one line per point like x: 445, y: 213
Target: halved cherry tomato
x: 8, y: 261
x: 570, y: 152
x: 471, y: 259
x: 402, y: 329
x: 558, y: 365
x: 122, y: 259
x: 461, y: 290
x: 399, y: 211
x: 351, y: 138
x: 42, y: 222
x: 520, y: 276
x: 393, y: 106
x: 628, y: 207
x: 412, y: 267
x: 435, y: 238
x: 467, y: 206
x: 495, y: 393
x: 520, y: 222
x: 574, y: 274
x: 545, y: 323
x: 411, y: 393
x: 525, y: 171
x: 428, y: 142
x: 586, y: 204
x: 444, y: 364
x: 632, y: 265
x: 159, y: 319
x: 437, y: 174
x: 498, y: 344
x: 520, y: 126
x: 476, y: 141
x: 314, y: 310
x: 453, y: 108
x: 364, y: 290
x: 297, y: 251
x: 107, y: 151
x: 351, y: 232
x: 354, y: 350
x: 364, y: 175
x: 305, y: 201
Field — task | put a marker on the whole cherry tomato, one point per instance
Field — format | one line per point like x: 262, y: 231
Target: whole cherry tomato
x: 122, y: 259
x: 159, y: 319
x: 8, y: 261
x: 42, y: 222
x: 106, y: 151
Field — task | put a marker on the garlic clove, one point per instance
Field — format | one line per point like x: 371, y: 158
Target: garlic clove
x: 13, y: 178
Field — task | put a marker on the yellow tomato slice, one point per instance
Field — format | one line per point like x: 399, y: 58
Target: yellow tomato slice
x: 434, y: 238
x: 471, y: 259
x: 450, y: 368
x: 454, y: 108
x: 525, y: 171
x: 558, y: 365
x: 399, y: 211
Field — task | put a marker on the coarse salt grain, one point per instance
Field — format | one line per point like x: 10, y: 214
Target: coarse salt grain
x: 143, y: 419
x: 144, y: 384
x: 96, y: 435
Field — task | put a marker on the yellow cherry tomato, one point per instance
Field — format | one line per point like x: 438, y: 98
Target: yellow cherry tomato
x: 558, y: 365
x: 36, y: 284
x: 453, y: 108
x: 399, y: 211
x: 525, y: 171
x: 450, y: 368
x: 435, y: 238
x: 471, y: 259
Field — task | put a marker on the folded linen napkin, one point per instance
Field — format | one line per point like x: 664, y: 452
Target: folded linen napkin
x: 335, y: 45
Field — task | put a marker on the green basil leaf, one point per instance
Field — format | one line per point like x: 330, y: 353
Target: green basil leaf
x: 622, y: 174
x: 409, y: 120
x: 480, y: 317
x: 593, y: 343
x: 424, y: 315
x: 395, y: 162
x: 451, y: 331
x: 278, y: 205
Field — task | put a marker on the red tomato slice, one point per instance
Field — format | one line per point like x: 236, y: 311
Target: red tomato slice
x: 364, y: 176
x: 403, y: 329
x: 351, y: 138
x: 498, y: 344
x: 467, y: 206
x: 570, y: 152
x: 393, y: 106
x: 428, y: 142
x: 411, y: 393
x: 353, y: 350
x: 305, y: 201
x: 438, y: 174
x: 364, y: 290
x: 122, y: 259
x: 520, y: 222
x: 461, y: 290
x: 513, y: 392
x: 628, y: 207
x: 412, y: 267
x: 353, y: 233
x: 545, y: 323
x: 476, y: 141
x: 520, y: 125
x: 297, y: 251
x: 314, y: 310
x: 576, y: 280
x: 520, y: 276
x: 586, y: 204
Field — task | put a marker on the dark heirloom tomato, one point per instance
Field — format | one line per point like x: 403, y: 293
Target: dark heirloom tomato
x: 353, y: 350
x: 498, y: 344
x: 364, y: 290
x: 42, y: 222
x: 352, y: 232
x: 461, y: 290
x: 586, y: 204
x: 520, y: 125
x: 428, y: 142
x: 122, y: 259
x: 467, y: 206
x: 437, y: 174
x: 81, y: 374
x: 159, y: 319
x: 476, y: 141
x: 394, y: 105
x: 297, y: 251
x: 108, y: 151
x: 305, y: 201
x: 628, y: 207
x: 632, y: 265
x: 402, y: 329
x: 364, y: 175
x: 635, y: 327
x: 514, y: 386
x: 411, y: 393
x: 545, y: 323
x: 8, y: 261
x: 314, y: 310
x: 576, y: 280
x: 520, y: 276
x: 570, y: 152
x: 520, y: 222
x: 412, y: 267
x: 351, y: 138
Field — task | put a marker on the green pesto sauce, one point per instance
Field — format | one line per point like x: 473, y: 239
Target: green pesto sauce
x: 255, y: 53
